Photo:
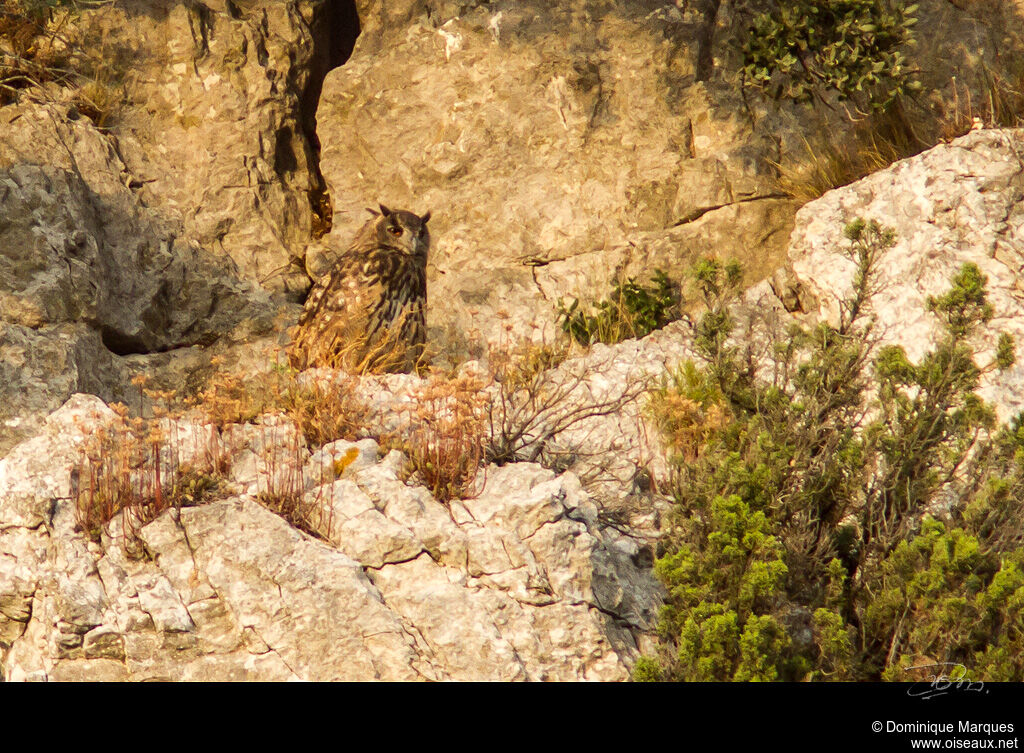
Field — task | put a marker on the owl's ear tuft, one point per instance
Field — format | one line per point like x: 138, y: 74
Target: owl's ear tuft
x: 374, y: 212
x: 425, y: 217
x: 384, y: 210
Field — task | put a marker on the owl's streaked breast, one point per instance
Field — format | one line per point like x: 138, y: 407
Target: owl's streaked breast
x: 369, y: 312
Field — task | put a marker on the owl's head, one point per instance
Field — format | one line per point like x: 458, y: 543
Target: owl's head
x: 403, y: 231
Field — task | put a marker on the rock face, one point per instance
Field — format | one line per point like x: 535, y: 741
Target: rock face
x: 561, y: 144
x: 558, y: 145
x: 73, y: 260
x: 555, y: 143
x: 155, y: 204
x: 956, y: 203
x: 221, y: 130
x: 519, y: 583
x: 88, y: 273
x: 170, y: 225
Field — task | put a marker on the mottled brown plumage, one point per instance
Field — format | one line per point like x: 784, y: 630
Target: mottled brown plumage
x: 367, y: 314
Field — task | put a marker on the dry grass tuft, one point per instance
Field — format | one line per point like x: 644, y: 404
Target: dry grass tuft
x: 281, y: 485
x: 446, y: 435
x: 825, y: 165
x: 687, y: 419
x: 46, y: 42
x: 534, y: 402
x: 1000, y: 106
x: 328, y: 412
x: 905, y: 129
x: 138, y: 468
x: 29, y: 50
x: 292, y: 414
x: 325, y: 411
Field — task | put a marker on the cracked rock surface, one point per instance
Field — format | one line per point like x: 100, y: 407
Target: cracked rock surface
x: 521, y: 582
x: 176, y: 224
x: 559, y: 145
x: 956, y: 203
x: 555, y: 143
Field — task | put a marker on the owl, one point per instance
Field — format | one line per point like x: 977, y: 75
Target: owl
x: 367, y: 314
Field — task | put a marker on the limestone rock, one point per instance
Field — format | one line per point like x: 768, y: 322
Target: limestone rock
x: 38, y: 471
x: 110, y: 262
x: 41, y: 367
x: 958, y: 202
x: 522, y: 582
x: 560, y: 145
x: 165, y: 224
x: 87, y: 273
x: 218, y: 125
x: 565, y: 139
x: 340, y: 457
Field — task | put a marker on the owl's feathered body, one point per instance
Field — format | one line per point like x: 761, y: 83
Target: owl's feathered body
x: 368, y: 313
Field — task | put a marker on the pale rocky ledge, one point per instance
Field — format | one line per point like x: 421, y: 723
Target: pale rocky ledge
x: 557, y: 145
x: 519, y: 582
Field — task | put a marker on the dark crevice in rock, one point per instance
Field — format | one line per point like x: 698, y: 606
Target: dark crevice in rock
x: 620, y: 620
x: 698, y: 213
x: 536, y: 282
x: 388, y: 562
x: 335, y: 28
x: 706, y: 39
x: 122, y: 344
x: 199, y: 22
x: 284, y: 154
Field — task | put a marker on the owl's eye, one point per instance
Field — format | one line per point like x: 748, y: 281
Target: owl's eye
x: 395, y: 231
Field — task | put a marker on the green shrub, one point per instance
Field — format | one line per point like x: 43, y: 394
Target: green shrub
x: 801, y: 547
x: 801, y: 48
x: 631, y: 310
x: 646, y: 669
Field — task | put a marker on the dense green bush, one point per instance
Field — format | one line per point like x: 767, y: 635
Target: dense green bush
x: 811, y: 537
x: 631, y: 310
x: 799, y: 48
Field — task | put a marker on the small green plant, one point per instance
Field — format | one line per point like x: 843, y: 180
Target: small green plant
x: 646, y: 669
x: 801, y: 48
x: 631, y: 310
x: 942, y: 594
